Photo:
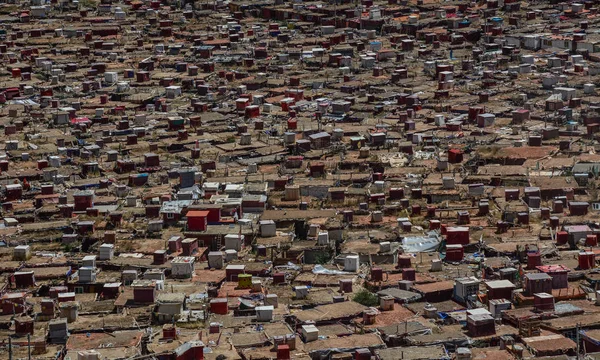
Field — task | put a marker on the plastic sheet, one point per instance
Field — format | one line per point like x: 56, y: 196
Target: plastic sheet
x: 429, y: 243
x: 319, y: 269
x: 22, y: 102
x: 289, y: 266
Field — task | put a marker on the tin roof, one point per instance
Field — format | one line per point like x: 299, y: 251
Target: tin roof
x: 499, y: 284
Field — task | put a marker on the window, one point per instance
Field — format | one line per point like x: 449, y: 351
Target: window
x: 571, y: 334
x: 596, y: 206
x: 78, y: 290
x: 170, y: 216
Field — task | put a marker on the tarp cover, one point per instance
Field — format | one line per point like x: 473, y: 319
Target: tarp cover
x: 429, y: 243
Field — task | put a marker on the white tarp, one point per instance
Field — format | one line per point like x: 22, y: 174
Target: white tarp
x: 319, y: 269
x: 429, y: 243
x: 22, y: 102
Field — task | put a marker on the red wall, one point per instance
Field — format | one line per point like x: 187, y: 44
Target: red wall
x: 197, y: 223
x: 82, y: 202
x: 457, y: 237
x: 195, y: 353
x: 591, y: 347
x: 496, y: 294
x: 143, y: 295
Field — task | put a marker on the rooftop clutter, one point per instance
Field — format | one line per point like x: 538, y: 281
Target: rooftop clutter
x: 299, y: 180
